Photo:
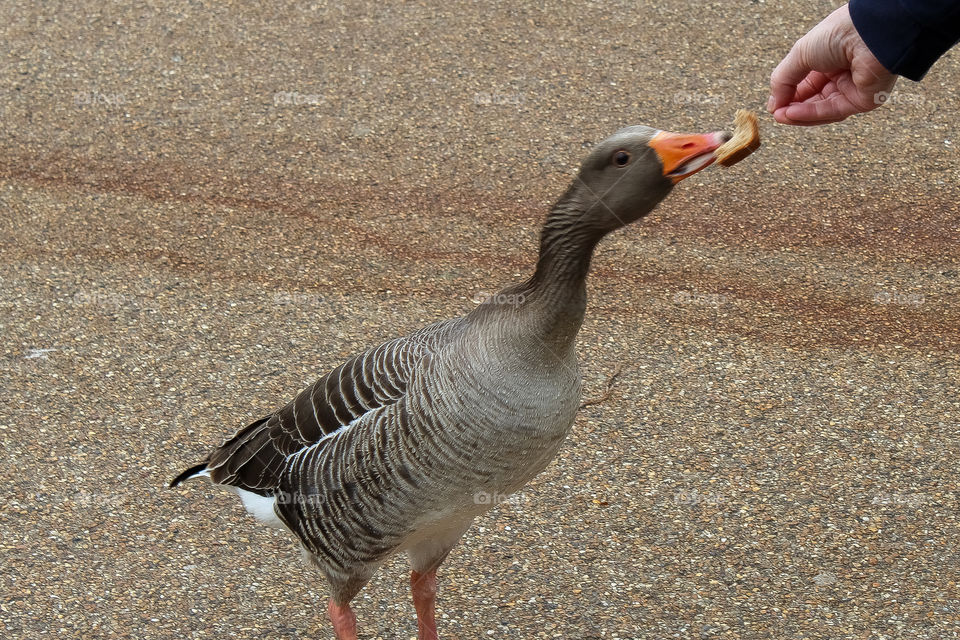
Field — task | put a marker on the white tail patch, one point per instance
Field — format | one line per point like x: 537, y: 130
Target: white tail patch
x: 260, y: 507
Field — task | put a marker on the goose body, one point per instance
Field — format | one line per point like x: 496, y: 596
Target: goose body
x: 401, y: 447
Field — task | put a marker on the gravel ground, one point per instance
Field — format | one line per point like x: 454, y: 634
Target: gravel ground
x: 206, y: 207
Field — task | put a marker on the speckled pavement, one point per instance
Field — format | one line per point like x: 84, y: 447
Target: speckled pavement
x: 206, y: 206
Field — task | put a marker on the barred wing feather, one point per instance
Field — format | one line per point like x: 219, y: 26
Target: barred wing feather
x: 254, y: 457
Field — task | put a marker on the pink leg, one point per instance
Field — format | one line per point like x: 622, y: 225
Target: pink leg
x: 343, y: 619
x: 424, y: 589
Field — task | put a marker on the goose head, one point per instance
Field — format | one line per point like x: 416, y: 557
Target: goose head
x: 629, y: 173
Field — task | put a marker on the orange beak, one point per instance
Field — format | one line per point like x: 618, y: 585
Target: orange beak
x: 683, y: 154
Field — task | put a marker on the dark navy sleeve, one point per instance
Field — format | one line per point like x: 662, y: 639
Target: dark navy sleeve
x: 907, y: 36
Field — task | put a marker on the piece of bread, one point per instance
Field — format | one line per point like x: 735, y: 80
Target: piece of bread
x: 745, y: 140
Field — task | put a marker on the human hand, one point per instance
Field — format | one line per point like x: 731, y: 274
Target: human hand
x: 829, y: 75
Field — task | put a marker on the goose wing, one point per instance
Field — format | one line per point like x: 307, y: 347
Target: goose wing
x: 254, y: 456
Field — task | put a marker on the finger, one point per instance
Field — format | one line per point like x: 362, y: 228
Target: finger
x: 782, y: 119
x: 784, y: 79
x: 865, y: 98
x: 832, y: 108
x: 814, y: 84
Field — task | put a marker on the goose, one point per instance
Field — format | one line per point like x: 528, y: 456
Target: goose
x: 401, y: 447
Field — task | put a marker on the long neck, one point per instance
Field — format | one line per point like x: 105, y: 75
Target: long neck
x: 566, y: 246
x: 556, y: 294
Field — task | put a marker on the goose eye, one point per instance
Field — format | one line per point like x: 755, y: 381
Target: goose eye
x: 621, y: 158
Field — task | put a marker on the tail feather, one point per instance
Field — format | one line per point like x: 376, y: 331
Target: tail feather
x: 189, y: 473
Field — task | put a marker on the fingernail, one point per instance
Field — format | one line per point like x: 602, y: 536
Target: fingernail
x: 770, y: 104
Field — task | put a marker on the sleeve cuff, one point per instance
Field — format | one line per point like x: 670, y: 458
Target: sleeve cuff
x: 899, y: 40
